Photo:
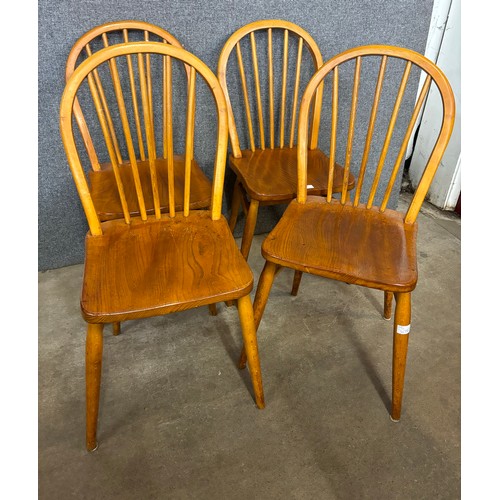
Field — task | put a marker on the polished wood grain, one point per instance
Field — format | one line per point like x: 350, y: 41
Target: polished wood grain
x: 357, y: 242
x: 268, y: 173
x: 138, y: 267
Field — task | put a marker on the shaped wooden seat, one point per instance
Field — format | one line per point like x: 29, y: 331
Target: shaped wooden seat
x: 361, y: 241
x: 266, y: 169
x: 146, y: 265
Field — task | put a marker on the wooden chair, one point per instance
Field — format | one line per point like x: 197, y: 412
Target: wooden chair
x: 356, y: 241
x: 153, y: 264
x: 266, y: 171
x: 102, y: 185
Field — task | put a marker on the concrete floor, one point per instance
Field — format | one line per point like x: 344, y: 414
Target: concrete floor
x: 177, y: 418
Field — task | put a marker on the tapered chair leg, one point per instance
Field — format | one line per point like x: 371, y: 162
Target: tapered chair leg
x: 388, y: 305
x: 235, y: 206
x: 212, y: 309
x: 261, y: 295
x: 117, y: 328
x: 402, y: 320
x: 250, y: 222
x: 93, y: 363
x: 245, y: 311
x: 296, y: 282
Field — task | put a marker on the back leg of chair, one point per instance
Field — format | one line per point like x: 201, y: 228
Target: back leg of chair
x: 245, y: 311
x: 261, y: 295
x: 212, y: 309
x: 93, y: 364
x: 235, y: 205
x: 117, y: 328
x: 296, y: 282
x: 249, y: 230
x: 388, y: 305
x: 402, y: 320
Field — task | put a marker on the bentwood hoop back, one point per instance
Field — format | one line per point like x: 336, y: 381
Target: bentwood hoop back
x: 357, y: 241
x: 153, y: 264
x: 267, y: 169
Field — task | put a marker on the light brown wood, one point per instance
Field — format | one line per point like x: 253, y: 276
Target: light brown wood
x: 246, y: 241
x: 297, y: 277
x: 333, y: 137
x: 117, y: 328
x: 360, y: 243
x: 268, y: 174
x: 142, y: 268
x: 190, y: 119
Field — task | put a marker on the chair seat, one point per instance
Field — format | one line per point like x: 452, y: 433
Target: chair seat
x: 106, y: 199
x: 353, y: 245
x: 170, y: 264
x: 271, y: 174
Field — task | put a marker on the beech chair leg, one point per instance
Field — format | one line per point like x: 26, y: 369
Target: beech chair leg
x: 235, y: 205
x: 388, y: 305
x: 261, y: 295
x: 245, y: 311
x: 250, y: 222
x: 402, y: 320
x: 117, y: 328
x: 296, y: 282
x: 93, y: 364
x: 212, y: 309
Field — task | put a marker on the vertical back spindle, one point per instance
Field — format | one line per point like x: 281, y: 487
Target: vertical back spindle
x: 190, y: 121
x: 371, y: 126
x: 389, y: 133
x: 296, y: 90
x: 149, y: 82
x: 271, y: 86
x: 168, y: 131
x: 283, y: 89
x: 257, y: 90
x: 333, y: 136
x: 245, y: 95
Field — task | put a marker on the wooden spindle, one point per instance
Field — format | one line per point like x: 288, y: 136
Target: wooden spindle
x: 350, y: 135
x: 128, y: 136
x: 406, y: 139
x: 149, y: 135
x: 296, y: 90
x: 283, y: 88
x: 388, y: 136
x: 168, y: 131
x: 135, y: 107
x: 190, y: 121
x: 245, y: 96
x: 109, y: 144
x: 271, y: 86
x: 371, y: 126
x: 257, y: 90
x: 333, y: 134
x: 105, y: 107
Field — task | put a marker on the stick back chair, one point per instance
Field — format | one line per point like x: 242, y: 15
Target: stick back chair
x: 153, y: 264
x: 101, y: 179
x: 266, y: 171
x: 355, y: 241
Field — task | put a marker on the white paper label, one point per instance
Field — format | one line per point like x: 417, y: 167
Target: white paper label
x: 310, y: 186
x: 403, y: 330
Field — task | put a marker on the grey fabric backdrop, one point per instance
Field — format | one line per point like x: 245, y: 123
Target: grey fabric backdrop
x: 202, y: 27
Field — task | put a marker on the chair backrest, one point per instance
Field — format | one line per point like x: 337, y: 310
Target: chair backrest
x: 103, y: 36
x: 409, y: 58
x: 162, y: 56
x: 281, y: 37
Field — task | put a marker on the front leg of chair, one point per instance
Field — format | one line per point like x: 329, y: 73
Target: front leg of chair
x: 93, y: 363
x: 402, y: 320
x: 245, y: 311
x: 296, y: 282
x: 259, y: 304
x: 250, y: 222
x: 235, y: 205
x: 388, y: 305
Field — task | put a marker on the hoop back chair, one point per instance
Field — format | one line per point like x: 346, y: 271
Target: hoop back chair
x: 153, y: 264
x: 266, y: 171
x: 102, y: 186
x: 352, y: 241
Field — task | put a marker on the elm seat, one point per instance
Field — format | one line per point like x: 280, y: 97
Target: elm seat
x: 172, y: 265
x: 271, y: 174
x: 106, y: 197
x: 346, y: 243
